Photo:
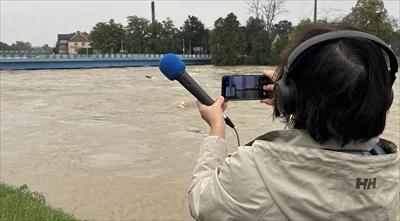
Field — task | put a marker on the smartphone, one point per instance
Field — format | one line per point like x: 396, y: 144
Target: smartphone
x: 244, y: 87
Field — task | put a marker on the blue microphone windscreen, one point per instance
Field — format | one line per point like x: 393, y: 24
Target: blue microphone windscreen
x: 171, y: 66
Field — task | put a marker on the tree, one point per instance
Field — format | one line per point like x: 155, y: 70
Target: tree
x: 371, y: 16
x: 281, y: 31
x: 257, y: 42
x: 153, y: 41
x: 227, y: 41
x: 107, y: 37
x: 193, y: 33
x: 267, y: 9
x: 55, y: 50
x: 144, y: 36
x: 303, y: 24
x: 4, y: 46
x: 395, y: 42
x: 205, y: 40
x: 283, y: 28
x: 85, y: 51
x: 170, y: 41
x: 271, y: 10
x: 137, y: 33
x: 255, y: 8
x: 26, y: 46
x: 21, y: 46
x: 277, y: 48
x: 46, y: 48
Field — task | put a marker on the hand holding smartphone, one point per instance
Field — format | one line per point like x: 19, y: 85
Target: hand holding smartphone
x: 245, y: 87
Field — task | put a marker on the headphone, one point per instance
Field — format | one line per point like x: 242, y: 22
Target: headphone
x: 285, y: 89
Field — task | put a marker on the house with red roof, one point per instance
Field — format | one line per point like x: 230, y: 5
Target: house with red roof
x: 71, y: 43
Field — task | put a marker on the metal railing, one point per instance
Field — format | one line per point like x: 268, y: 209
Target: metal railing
x: 21, y: 56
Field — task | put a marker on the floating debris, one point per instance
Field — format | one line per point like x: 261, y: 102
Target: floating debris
x: 197, y: 131
x: 182, y: 104
x: 149, y: 77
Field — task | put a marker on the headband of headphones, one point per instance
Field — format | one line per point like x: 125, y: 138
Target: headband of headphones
x: 338, y: 35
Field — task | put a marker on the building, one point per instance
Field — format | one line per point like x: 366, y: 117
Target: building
x: 71, y: 43
x: 77, y: 41
x: 62, y: 43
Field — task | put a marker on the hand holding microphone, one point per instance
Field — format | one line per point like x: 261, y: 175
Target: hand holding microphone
x: 174, y: 69
x: 214, y: 116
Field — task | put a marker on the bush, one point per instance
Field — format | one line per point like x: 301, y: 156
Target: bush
x: 22, y: 204
x: 85, y: 51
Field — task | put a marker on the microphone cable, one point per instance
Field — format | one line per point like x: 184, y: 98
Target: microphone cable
x: 237, y: 136
x: 229, y: 122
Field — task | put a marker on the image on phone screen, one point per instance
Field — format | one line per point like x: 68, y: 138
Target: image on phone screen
x: 244, y: 87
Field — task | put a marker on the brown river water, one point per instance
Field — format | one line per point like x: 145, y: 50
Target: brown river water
x: 113, y: 144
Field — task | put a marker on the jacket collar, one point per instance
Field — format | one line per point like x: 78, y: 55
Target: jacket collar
x: 296, y: 137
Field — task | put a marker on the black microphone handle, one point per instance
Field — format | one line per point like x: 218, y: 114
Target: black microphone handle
x: 191, y: 85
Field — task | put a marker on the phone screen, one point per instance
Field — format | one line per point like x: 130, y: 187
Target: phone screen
x: 244, y: 87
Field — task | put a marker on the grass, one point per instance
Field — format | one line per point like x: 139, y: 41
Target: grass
x: 22, y: 204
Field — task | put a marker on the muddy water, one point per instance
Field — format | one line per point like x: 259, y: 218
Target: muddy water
x: 113, y: 144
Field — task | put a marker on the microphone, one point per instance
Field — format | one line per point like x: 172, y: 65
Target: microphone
x: 174, y: 69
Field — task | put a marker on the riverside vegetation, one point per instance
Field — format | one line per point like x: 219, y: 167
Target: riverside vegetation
x: 22, y: 204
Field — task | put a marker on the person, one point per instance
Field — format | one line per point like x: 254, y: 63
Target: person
x: 323, y: 167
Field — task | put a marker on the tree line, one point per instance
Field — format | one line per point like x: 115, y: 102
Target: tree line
x: 24, y: 46
x: 261, y: 40
x: 141, y: 36
x: 228, y: 42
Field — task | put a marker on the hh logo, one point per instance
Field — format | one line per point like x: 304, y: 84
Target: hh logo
x: 366, y: 183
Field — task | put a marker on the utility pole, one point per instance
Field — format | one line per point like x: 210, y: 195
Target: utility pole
x: 122, y: 46
x: 315, y: 11
x: 183, y: 46
x: 190, y: 47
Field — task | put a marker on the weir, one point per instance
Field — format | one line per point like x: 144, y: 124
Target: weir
x: 37, y: 62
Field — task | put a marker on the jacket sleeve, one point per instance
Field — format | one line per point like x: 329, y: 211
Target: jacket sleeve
x: 226, y: 188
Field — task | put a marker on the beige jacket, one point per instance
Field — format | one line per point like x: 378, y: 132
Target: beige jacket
x: 285, y: 175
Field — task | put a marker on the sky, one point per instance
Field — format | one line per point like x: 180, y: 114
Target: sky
x: 40, y: 21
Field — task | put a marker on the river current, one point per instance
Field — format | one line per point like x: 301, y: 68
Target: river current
x: 120, y: 143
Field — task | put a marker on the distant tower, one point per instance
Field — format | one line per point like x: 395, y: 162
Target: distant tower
x: 153, y: 13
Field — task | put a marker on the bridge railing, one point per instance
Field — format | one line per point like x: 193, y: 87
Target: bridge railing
x: 21, y: 56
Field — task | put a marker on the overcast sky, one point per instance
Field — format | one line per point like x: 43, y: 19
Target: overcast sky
x: 39, y: 21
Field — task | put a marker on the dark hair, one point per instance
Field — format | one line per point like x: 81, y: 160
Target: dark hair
x: 343, y: 88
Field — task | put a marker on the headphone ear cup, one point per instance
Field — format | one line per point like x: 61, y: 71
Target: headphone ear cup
x: 291, y: 103
x: 391, y: 98
x: 285, y: 96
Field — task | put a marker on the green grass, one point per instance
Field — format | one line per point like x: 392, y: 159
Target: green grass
x: 22, y: 204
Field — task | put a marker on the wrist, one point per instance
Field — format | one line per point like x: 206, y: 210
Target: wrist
x: 218, y: 130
